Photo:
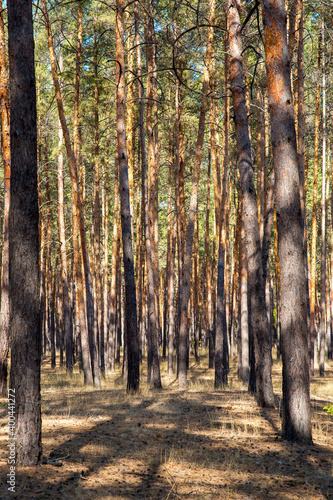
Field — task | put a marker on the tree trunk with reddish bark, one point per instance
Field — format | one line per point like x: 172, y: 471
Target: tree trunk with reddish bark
x: 296, y: 425
x: 5, y: 141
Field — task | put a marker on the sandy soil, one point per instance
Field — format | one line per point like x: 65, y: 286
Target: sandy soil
x: 199, y: 444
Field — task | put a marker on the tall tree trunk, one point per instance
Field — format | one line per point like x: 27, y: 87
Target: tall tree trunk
x: 130, y: 292
x: 313, y: 331
x: 113, y: 286
x: 25, y: 331
x: 130, y: 126
x: 63, y: 258
x: 96, y: 226
x: 296, y: 387
x: 221, y: 337
x: 105, y: 224
x: 256, y: 289
x: 5, y: 141
x: 48, y: 264
x: 77, y: 202
x: 141, y: 225
x: 153, y: 170
x: 243, y: 327
x: 186, y: 270
x: 322, y: 346
x: 277, y: 288
x: 330, y: 344
x: 80, y: 303
x: 154, y: 377
x: 208, y: 277
x: 169, y: 312
x: 301, y: 147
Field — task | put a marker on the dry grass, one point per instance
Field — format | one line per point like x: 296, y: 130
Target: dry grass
x: 199, y: 444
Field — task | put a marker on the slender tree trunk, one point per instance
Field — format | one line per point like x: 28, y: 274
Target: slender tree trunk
x: 48, y: 264
x: 169, y: 314
x: 105, y: 224
x: 25, y: 331
x: 296, y: 387
x: 196, y: 291
x: 278, y: 288
x: 153, y: 170
x: 328, y: 290
x: 221, y: 337
x: 130, y: 292
x: 186, y: 270
x: 63, y: 258
x: 322, y: 347
x: 171, y: 307
x: 330, y: 343
x: 77, y: 202
x: 96, y: 227
x: 141, y: 225
x: 313, y: 331
x: 5, y: 141
x: 267, y: 230
x: 301, y: 148
x: 243, y: 345
x: 154, y: 377
x: 208, y: 276
x: 113, y: 285
x: 80, y: 303
x: 259, y: 321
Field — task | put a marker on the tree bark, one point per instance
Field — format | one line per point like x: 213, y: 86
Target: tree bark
x: 130, y: 291
x: 25, y: 330
x: 48, y: 265
x: 296, y: 424
x: 322, y: 346
x: 5, y: 141
x: 113, y: 286
x: 208, y: 277
x: 243, y: 327
x: 63, y: 258
x: 313, y: 330
x: 256, y: 288
x: 96, y: 225
x: 186, y: 270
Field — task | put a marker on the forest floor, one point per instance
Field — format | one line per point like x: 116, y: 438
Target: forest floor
x: 170, y: 444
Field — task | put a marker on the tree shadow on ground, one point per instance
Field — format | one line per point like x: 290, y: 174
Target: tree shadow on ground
x: 172, y: 445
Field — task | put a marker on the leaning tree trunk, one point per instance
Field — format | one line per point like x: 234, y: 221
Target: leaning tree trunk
x: 5, y: 140
x: 130, y: 291
x: 25, y: 330
x: 76, y: 200
x: 256, y: 286
x: 296, y: 387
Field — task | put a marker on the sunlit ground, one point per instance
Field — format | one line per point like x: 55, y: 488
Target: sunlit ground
x: 199, y: 444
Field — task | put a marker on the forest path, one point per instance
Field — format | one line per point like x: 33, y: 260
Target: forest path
x: 199, y: 444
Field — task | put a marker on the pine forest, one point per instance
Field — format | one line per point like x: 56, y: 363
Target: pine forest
x: 166, y: 215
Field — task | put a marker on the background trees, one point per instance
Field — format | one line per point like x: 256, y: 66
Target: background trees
x: 162, y: 111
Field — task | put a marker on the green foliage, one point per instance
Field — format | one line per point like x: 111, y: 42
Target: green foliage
x: 329, y: 409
